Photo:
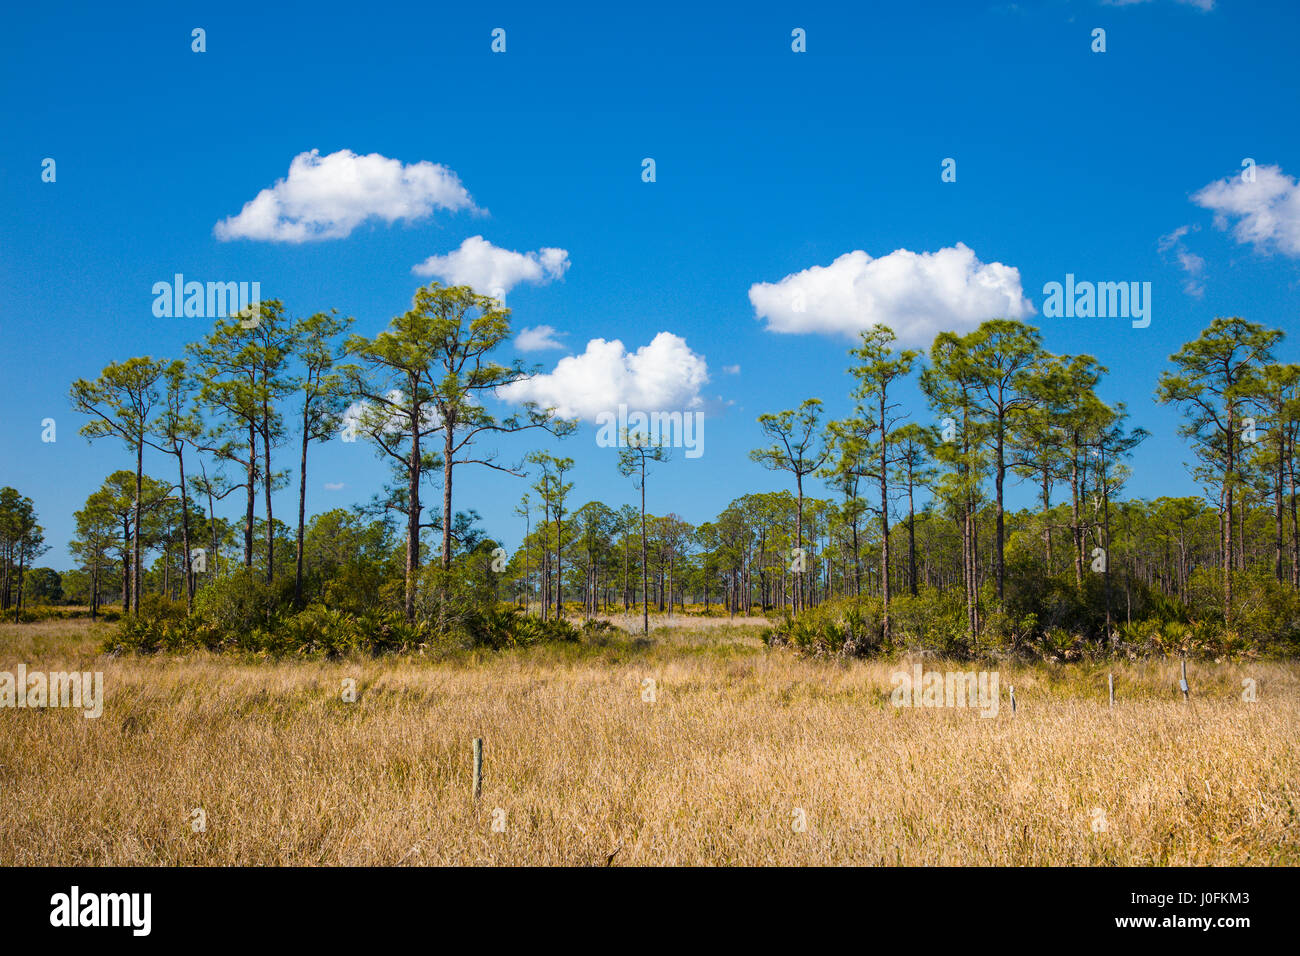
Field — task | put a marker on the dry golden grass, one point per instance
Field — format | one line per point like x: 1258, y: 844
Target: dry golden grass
x: 583, y: 769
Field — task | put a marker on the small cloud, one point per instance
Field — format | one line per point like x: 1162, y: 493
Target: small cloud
x: 491, y: 270
x: 333, y: 486
x: 326, y: 197
x: 664, y: 375
x: 731, y: 369
x: 538, y: 339
x: 1190, y: 262
x: 917, y: 294
x: 1266, y: 210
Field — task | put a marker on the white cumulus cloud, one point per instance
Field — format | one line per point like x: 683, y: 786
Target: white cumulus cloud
x: 489, y: 269
x: 1266, y: 211
x: 538, y: 339
x: 326, y: 197
x: 917, y: 294
x: 664, y: 375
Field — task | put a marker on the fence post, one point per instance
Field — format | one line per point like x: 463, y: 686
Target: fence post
x: 478, y: 767
x: 1110, y: 681
x: 1013, y: 699
x: 1182, y: 684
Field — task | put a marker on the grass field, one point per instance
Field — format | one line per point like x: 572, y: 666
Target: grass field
x: 581, y: 770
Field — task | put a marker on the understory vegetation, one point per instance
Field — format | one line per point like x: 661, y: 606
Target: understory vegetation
x: 240, y: 612
x: 1055, y: 621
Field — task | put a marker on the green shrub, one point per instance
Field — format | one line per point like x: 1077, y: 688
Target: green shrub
x: 842, y: 626
x: 146, y: 634
x: 932, y: 620
x: 390, y: 632
x: 452, y: 599
x: 238, y: 601
x: 158, y: 607
x: 501, y: 626
x: 320, y: 630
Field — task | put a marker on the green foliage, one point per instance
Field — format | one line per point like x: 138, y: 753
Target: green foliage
x: 318, y: 629
x: 500, y: 627
x: 1266, y: 618
x: 1052, y: 620
x: 160, y: 626
x: 453, y: 598
x: 46, y: 612
x: 239, y: 601
x: 932, y: 620
x: 240, y: 612
x: 351, y: 563
x: 42, y: 586
x: 157, y: 607
x: 836, y: 627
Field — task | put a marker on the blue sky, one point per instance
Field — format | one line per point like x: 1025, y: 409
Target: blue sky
x: 768, y: 162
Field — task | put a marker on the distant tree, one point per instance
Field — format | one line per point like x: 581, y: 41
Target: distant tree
x: 1040, y: 441
x: 848, y: 465
x: 241, y: 373
x: 273, y: 341
x: 1215, y: 380
x: 794, y: 434
x: 22, y: 540
x: 735, y: 536
x: 177, y: 424
x: 77, y: 587
x: 596, y: 527
x: 214, y: 487
x: 628, y: 522
x: 1112, y: 443
x: 322, y: 391
x: 675, y: 535
x: 120, y: 404
x: 915, y: 448
x: 636, y: 451
x: 430, y: 373
x: 524, y: 510
x: 1276, y: 393
x: 554, y: 492
x: 1078, y: 415
x: 43, y: 586
x: 93, y: 547
x: 951, y: 384
x: 117, y: 498
x: 1005, y: 357
x: 878, y: 367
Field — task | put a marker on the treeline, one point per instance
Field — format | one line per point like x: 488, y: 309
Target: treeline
x: 22, y: 540
x: 888, y: 524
